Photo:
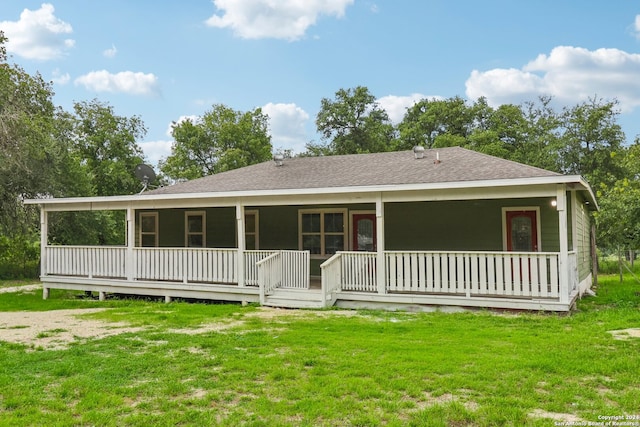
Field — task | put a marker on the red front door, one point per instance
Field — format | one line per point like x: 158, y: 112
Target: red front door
x: 364, y: 232
x: 522, y: 231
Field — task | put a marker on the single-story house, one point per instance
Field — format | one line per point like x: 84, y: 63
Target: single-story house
x: 412, y: 229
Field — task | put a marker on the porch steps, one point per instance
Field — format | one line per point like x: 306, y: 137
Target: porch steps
x: 295, y: 298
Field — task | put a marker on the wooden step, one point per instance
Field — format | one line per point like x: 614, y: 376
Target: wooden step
x: 295, y: 298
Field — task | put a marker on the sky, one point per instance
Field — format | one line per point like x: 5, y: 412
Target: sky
x: 166, y: 60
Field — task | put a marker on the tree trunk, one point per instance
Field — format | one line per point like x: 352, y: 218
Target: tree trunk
x: 620, y: 262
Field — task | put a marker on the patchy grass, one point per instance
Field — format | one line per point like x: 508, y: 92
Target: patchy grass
x: 326, y: 368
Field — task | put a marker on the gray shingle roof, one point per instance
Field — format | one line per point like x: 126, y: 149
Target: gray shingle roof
x: 354, y: 170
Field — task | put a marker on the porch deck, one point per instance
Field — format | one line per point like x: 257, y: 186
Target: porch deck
x: 348, y: 279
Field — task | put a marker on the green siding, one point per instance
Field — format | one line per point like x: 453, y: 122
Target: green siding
x: 221, y: 227
x: 461, y: 225
x: 583, y: 240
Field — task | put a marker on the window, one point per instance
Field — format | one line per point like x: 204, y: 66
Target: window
x: 195, y: 229
x: 322, y: 232
x: 251, y: 226
x: 148, y: 229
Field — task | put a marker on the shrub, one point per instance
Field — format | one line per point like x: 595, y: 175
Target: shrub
x: 19, y: 257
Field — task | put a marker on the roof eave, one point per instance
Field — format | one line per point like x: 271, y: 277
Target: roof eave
x: 575, y: 180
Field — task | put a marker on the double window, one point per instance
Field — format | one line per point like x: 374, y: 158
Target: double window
x: 322, y: 232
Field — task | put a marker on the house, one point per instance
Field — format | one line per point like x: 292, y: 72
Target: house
x: 410, y: 229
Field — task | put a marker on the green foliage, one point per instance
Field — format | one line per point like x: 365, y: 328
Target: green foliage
x: 105, y: 146
x: 353, y: 122
x: 222, y: 139
x: 618, y: 220
x: 19, y: 257
x: 591, y: 139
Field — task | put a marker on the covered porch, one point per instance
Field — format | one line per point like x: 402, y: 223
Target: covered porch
x: 508, y: 243
x: 516, y: 280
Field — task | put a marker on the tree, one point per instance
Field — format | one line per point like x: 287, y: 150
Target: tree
x: 105, y: 144
x: 353, y: 122
x: 430, y: 119
x: 591, y: 140
x: 222, y: 139
x: 27, y: 149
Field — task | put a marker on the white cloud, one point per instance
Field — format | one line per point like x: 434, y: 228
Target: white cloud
x: 123, y: 82
x: 38, y: 34
x: 59, y: 78
x: 110, y: 53
x: 569, y: 74
x: 396, y: 106
x: 287, y: 126
x: 154, y: 151
x: 282, y: 19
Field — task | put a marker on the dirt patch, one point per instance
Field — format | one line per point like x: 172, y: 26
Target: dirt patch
x: 55, y: 329
x: 625, y: 334
x: 556, y: 416
x: 23, y: 288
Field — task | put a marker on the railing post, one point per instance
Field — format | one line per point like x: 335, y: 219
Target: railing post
x: 561, y: 206
x: 44, y: 232
x: 131, y: 239
x: 380, y: 261
x: 241, y: 243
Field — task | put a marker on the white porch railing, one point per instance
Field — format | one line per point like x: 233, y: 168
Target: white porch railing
x: 251, y: 258
x: 88, y: 261
x: 269, y: 275
x: 505, y: 274
x: 186, y: 265
x: 358, y: 271
x: 283, y: 269
x: 493, y: 274
x: 331, y: 277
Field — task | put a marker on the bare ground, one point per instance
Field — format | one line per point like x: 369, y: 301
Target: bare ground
x: 56, y: 329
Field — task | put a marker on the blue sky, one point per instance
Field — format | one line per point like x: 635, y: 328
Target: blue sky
x: 165, y: 60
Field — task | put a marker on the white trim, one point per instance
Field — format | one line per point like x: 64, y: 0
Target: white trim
x: 322, y: 211
x: 576, y: 182
x: 521, y: 209
x: 202, y: 214
x: 351, y: 214
x: 157, y: 223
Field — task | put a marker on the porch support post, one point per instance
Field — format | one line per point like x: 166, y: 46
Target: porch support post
x: 44, y: 234
x: 381, y: 273
x: 241, y: 242
x: 574, y: 222
x: 563, y: 276
x: 131, y: 240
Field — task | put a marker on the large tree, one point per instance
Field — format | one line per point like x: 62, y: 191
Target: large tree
x: 106, y: 145
x: 28, y: 155
x: 591, y: 140
x: 220, y: 140
x: 450, y: 121
x: 353, y: 122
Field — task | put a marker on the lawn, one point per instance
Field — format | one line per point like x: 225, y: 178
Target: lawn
x: 224, y: 364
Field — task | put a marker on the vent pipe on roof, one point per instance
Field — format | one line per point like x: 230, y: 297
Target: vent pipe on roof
x: 279, y: 159
x: 437, y: 160
x: 418, y: 152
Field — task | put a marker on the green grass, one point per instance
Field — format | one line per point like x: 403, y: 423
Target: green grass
x: 371, y: 369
